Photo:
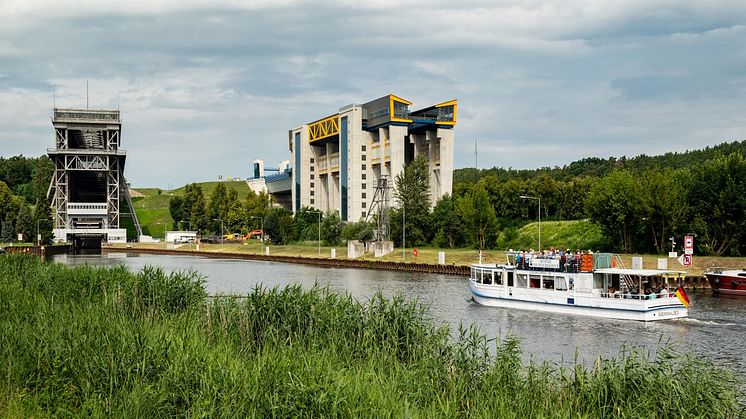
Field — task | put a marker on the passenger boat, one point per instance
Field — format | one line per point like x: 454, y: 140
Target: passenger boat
x: 588, y: 285
x: 731, y: 282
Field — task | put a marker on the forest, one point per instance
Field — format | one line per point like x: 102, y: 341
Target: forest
x: 638, y: 202
x: 23, y: 186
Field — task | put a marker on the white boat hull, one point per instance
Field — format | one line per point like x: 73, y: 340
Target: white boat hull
x: 571, y: 302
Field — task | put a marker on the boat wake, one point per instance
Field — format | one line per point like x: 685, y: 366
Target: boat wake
x: 706, y: 322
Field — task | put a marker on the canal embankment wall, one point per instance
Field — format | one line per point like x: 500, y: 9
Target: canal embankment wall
x: 691, y: 282
x: 43, y: 252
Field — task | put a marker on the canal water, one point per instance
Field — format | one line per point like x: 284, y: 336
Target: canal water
x: 716, y: 327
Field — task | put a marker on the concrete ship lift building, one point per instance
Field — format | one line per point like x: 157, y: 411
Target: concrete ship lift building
x: 88, y: 184
x: 337, y: 160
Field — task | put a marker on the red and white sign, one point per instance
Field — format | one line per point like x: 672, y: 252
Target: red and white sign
x: 687, y: 260
x: 689, y: 242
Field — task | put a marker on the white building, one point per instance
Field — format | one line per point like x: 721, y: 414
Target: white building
x: 337, y: 160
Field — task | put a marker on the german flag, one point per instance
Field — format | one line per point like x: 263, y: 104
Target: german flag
x: 681, y: 295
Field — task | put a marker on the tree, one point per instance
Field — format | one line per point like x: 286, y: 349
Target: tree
x: 358, y: 231
x: 279, y: 226
x: 6, y: 235
x: 24, y: 223
x: 193, y: 209
x: 43, y: 217
x: 717, y: 197
x: 479, y: 217
x: 175, y: 208
x: 217, y: 208
x: 615, y: 204
x: 413, y: 193
x: 447, y: 223
x: 331, y: 228
x: 664, y: 204
x: 42, y: 173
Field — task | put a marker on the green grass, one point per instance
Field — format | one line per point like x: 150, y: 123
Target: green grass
x: 152, y: 209
x: 578, y: 234
x: 89, y: 341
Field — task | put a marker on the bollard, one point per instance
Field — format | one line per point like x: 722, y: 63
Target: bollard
x: 334, y: 253
x: 441, y: 258
x: 266, y: 251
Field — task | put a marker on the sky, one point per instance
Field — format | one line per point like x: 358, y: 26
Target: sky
x: 207, y: 86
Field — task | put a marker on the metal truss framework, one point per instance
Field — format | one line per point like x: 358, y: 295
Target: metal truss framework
x: 380, y: 207
x: 88, y: 141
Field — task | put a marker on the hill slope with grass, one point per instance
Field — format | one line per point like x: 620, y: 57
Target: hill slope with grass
x: 152, y: 207
x: 575, y: 234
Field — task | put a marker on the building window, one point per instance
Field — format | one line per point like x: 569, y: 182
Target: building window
x: 363, y: 157
x: 311, y: 201
x: 311, y: 193
x: 312, y: 176
x: 312, y: 184
x: 364, y: 196
x: 311, y: 160
x: 363, y: 175
x: 364, y: 211
x: 364, y: 185
x: 310, y: 168
x: 363, y: 204
x: 363, y: 167
x: 363, y: 148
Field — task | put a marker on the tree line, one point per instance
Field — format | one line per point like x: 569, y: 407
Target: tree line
x: 639, y: 203
x: 23, y: 205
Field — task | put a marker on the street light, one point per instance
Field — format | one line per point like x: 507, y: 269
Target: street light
x: 221, y: 228
x: 262, y: 221
x: 319, y: 212
x: 403, y: 233
x: 538, y: 199
x: 38, y: 235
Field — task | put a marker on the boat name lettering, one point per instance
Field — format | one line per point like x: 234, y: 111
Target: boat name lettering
x: 544, y: 263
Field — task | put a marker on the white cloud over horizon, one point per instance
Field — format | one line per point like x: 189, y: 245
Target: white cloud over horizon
x: 219, y: 83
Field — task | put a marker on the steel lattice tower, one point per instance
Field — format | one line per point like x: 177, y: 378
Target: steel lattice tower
x: 88, y: 180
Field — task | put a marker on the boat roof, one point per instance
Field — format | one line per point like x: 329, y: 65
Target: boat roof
x: 638, y: 272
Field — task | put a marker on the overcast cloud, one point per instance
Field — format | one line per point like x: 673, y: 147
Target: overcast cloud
x: 207, y: 86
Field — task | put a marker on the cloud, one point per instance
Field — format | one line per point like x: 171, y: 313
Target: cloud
x: 207, y: 86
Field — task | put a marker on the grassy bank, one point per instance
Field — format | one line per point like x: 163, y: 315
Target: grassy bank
x: 106, y: 342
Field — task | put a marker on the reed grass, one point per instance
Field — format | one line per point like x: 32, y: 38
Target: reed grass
x: 88, y: 341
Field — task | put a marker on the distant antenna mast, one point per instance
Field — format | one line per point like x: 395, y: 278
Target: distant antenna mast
x: 476, y: 155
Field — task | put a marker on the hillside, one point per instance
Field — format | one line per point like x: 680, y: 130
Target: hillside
x: 152, y: 207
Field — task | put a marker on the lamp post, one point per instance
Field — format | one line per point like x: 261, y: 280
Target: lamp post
x: 319, y: 246
x: 403, y: 232
x: 538, y: 199
x: 221, y: 228
x: 261, y: 219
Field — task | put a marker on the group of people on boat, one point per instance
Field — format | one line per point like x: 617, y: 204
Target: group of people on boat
x: 650, y: 292
x: 568, y: 261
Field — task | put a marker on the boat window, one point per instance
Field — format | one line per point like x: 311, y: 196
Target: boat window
x: 598, y: 281
x: 548, y: 283
x: 498, y: 278
x: 560, y: 283
x: 510, y: 279
x: 534, y: 281
x: 521, y: 280
x: 487, y: 277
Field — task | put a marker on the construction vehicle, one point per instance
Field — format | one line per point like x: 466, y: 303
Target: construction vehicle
x: 253, y: 233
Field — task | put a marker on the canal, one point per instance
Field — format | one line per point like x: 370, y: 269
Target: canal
x: 716, y: 327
